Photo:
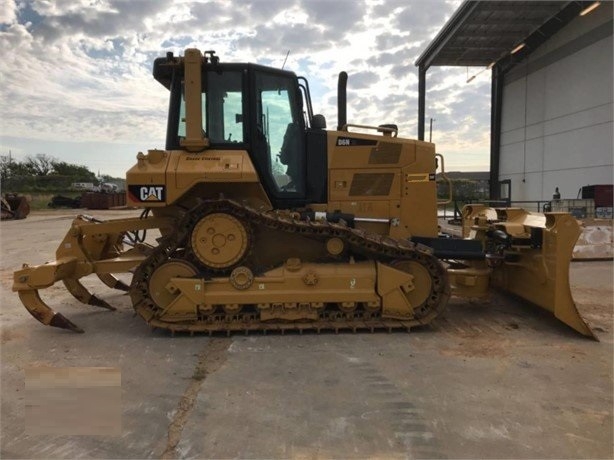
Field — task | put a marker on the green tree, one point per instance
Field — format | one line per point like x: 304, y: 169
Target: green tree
x: 463, y: 190
x: 77, y: 172
x: 10, y: 168
x: 39, y: 165
x: 41, y: 173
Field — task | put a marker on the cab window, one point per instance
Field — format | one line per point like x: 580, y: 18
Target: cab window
x: 222, y: 105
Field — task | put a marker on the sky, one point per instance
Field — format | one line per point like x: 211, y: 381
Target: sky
x: 76, y: 84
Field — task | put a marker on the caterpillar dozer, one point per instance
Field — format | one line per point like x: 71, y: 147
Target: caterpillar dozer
x: 270, y: 222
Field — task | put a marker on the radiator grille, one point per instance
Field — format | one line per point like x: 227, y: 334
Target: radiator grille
x: 371, y: 184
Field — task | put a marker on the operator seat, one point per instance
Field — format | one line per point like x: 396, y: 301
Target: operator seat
x: 290, y: 152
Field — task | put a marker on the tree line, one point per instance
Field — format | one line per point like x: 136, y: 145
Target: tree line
x: 42, y: 172
x: 464, y: 190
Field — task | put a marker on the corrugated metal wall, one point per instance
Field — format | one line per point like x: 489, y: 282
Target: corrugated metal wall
x: 557, y: 116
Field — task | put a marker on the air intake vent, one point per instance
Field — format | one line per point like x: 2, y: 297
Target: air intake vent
x: 385, y: 153
x: 371, y: 184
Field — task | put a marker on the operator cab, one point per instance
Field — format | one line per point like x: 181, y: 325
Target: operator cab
x: 262, y: 110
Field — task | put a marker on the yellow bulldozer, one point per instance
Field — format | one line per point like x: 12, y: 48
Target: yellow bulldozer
x: 270, y: 222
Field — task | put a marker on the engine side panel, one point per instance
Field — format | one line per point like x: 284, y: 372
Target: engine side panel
x: 384, y: 177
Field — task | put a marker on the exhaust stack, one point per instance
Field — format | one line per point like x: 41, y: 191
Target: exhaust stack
x: 342, y: 101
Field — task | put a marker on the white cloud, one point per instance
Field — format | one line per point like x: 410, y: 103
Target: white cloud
x: 80, y: 71
x: 8, y: 14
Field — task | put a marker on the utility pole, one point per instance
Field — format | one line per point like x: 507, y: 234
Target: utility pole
x: 431, y: 131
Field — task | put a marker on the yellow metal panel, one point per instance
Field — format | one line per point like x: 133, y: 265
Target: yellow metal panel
x: 375, y: 156
x: 214, y: 165
x: 177, y: 171
x: 352, y: 184
x: 390, y: 281
x: 375, y: 209
x: 418, y: 208
x: 194, y: 140
x: 335, y: 283
x: 150, y: 169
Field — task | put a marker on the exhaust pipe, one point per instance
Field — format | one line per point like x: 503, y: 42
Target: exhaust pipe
x: 342, y: 101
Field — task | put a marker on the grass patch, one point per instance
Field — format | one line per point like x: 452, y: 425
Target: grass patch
x: 40, y: 201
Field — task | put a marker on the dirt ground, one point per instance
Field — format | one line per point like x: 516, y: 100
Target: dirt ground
x: 490, y: 379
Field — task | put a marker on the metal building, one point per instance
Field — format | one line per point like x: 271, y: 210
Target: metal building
x: 552, y: 91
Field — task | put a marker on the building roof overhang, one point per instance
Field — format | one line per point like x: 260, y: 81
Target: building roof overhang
x: 484, y: 33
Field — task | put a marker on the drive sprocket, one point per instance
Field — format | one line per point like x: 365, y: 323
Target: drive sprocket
x: 220, y: 241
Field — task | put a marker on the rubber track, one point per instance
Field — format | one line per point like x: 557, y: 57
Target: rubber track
x: 368, y: 245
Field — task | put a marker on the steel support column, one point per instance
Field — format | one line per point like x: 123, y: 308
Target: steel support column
x: 495, y: 130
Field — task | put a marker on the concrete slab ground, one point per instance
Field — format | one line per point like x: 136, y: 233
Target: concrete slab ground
x: 494, y: 379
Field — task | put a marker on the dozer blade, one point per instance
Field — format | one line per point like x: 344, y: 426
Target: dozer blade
x: 535, y: 263
x: 113, y: 282
x: 80, y: 293
x: 43, y: 313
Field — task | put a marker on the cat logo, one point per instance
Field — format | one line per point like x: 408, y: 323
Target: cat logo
x: 150, y: 193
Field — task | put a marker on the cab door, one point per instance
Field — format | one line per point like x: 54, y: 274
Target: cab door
x: 278, y: 136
